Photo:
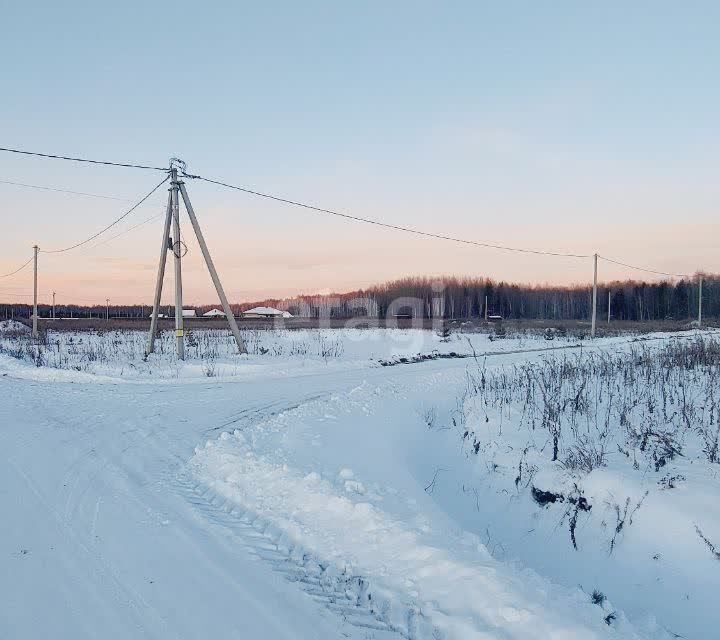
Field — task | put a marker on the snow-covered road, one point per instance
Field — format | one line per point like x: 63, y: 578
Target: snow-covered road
x: 98, y: 538
x: 98, y: 542
x: 119, y: 521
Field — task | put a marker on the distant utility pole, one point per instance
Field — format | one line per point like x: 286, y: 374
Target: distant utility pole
x: 107, y: 309
x: 486, y: 311
x: 700, y: 284
x: 609, y: 300
x: 53, y: 305
x: 35, y: 306
x: 173, y: 216
x: 594, y: 296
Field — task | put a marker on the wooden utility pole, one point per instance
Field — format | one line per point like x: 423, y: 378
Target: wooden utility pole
x: 107, y: 309
x: 700, y: 284
x: 35, y: 306
x: 486, y: 309
x: 594, y: 296
x: 53, y: 305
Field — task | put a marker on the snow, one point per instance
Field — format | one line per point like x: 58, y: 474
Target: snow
x: 214, y: 313
x: 307, y: 491
x: 120, y: 355
x: 263, y: 311
x: 422, y: 589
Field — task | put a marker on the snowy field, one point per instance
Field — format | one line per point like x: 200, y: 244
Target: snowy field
x: 330, y: 485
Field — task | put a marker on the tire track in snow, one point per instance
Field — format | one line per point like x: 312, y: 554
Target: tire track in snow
x: 261, y: 412
x: 343, y: 594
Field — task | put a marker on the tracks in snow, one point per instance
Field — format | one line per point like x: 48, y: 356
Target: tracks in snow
x: 246, y: 417
x: 347, y: 596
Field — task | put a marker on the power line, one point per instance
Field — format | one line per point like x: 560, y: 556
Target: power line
x: 75, y: 193
x: 90, y: 195
x: 277, y: 199
x: 631, y: 266
x: 428, y: 234
x: 113, y: 223
x: 18, y: 270
x: 128, y: 230
x: 62, y: 293
x: 386, y: 225
x: 87, y: 160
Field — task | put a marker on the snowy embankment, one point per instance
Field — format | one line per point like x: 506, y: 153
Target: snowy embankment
x: 602, y: 471
x: 381, y: 491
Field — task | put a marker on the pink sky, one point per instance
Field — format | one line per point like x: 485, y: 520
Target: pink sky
x: 271, y: 264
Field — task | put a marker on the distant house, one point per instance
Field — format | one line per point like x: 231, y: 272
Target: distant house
x: 265, y: 312
x: 189, y: 313
x: 160, y: 315
x: 214, y: 313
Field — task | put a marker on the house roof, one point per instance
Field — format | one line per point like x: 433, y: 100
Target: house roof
x: 264, y: 311
x: 213, y: 312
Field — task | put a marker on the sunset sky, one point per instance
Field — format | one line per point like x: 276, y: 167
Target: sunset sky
x: 562, y: 126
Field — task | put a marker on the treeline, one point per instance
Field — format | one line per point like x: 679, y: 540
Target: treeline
x: 456, y: 298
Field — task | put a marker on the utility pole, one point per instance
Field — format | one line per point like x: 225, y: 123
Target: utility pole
x: 609, y: 299
x: 164, y: 246
x: 177, y: 252
x: 173, y: 216
x: 35, y: 309
x: 594, y: 296
x: 107, y: 309
x: 486, y: 310
x: 213, y: 272
x: 53, y: 305
x: 700, y: 284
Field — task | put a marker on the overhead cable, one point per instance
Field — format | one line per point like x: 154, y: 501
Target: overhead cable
x: 631, y: 266
x: 57, y: 189
x: 18, y: 270
x: 86, y: 160
x: 387, y: 225
x: 112, y: 224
